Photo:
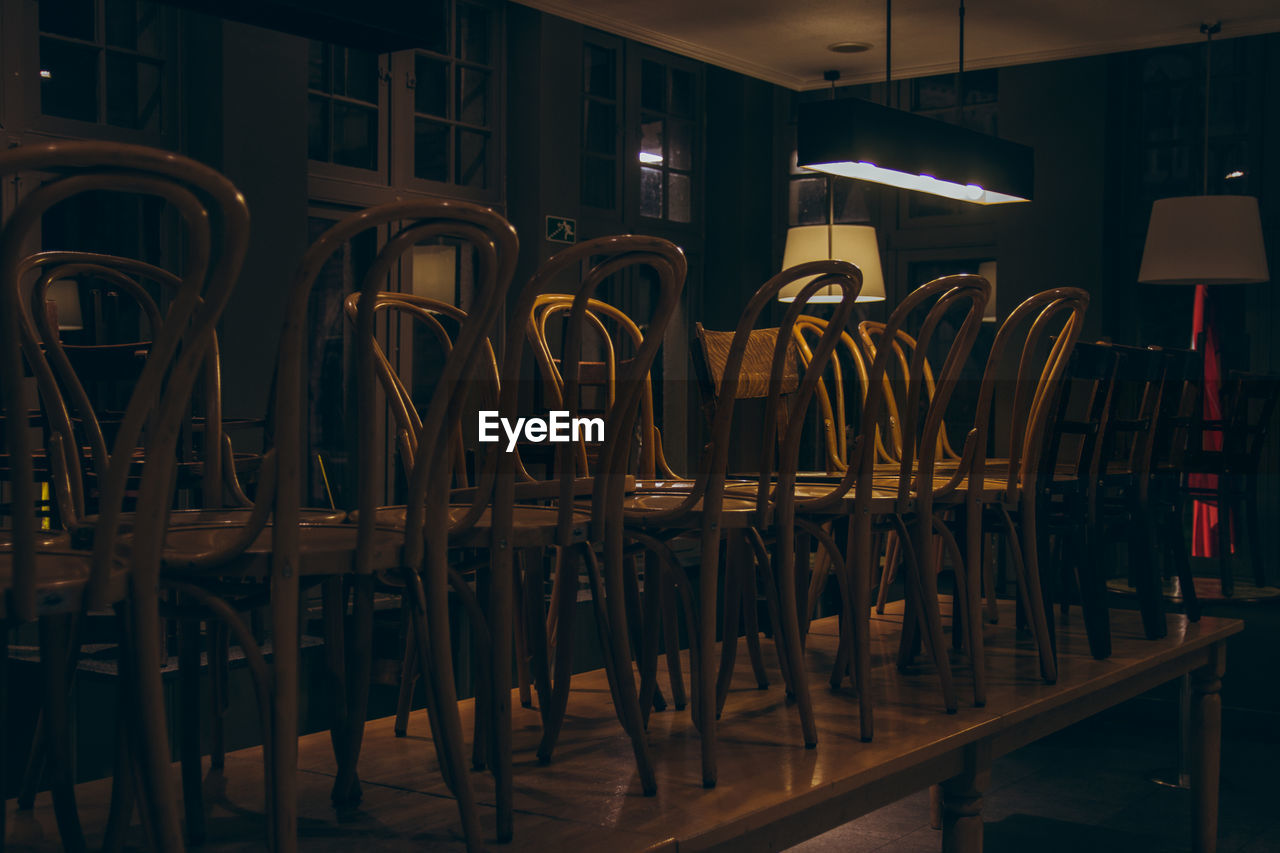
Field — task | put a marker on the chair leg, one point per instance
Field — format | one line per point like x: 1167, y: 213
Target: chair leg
x: 751, y: 628
x: 1087, y: 560
x: 122, y: 785
x: 535, y: 626
x: 33, y: 775
x: 790, y: 630
x: 156, y: 793
x: 704, y: 631
x: 891, y: 558
x: 990, y: 557
x: 620, y: 650
x: 860, y: 551
x: 54, y: 655
x: 189, y: 728
x: 1175, y: 534
x: 1255, y: 533
x: 733, y: 570
x: 218, y: 651
x: 408, y: 678
x: 671, y: 643
x: 523, y: 678
x: 1147, y: 572
x: 650, y: 696
x: 430, y: 615
x: 564, y: 591
x: 285, y: 601
x: 1226, y: 571
x: 334, y: 609
x: 1024, y: 549
x: 926, y: 581
x: 359, y: 660
x: 4, y: 725
x: 501, y: 628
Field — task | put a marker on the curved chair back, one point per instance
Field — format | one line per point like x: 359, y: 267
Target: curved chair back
x: 1039, y: 335
x: 75, y: 415
x: 214, y: 220
x: 586, y: 267
x: 618, y: 339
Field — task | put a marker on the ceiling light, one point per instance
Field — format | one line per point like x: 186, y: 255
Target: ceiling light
x: 849, y: 47
x: 1234, y: 174
x: 650, y: 157
x: 46, y: 74
x: 864, y: 140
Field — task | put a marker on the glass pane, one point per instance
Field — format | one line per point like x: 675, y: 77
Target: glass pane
x: 355, y: 135
x: 598, y: 71
x: 430, y: 150
x: 68, y: 80
x: 600, y: 127
x: 651, y: 192
x: 133, y: 92
x: 473, y: 91
x: 133, y: 25
x: 318, y: 56
x: 651, y: 133
x: 74, y: 18
x: 653, y: 86
x: 808, y: 202
x: 681, y: 92
x: 679, y: 201
x: 435, y: 13
x: 598, y: 182
x: 680, y: 145
x: 473, y: 33
x: 356, y: 74
x: 473, y: 158
x: 431, y: 92
x: 318, y: 128
x: 850, y: 202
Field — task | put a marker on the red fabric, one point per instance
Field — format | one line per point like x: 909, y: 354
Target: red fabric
x: 1204, y: 336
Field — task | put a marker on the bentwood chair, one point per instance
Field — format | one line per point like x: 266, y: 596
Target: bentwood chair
x: 876, y: 497
x: 277, y: 550
x: 1179, y: 418
x: 531, y: 516
x: 56, y: 585
x: 1008, y: 494
x: 1224, y: 468
x: 714, y: 507
x: 567, y: 368
x: 650, y: 601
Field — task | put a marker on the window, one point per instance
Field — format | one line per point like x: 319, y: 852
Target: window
x: 667, y: 141
x: 105, y: 62
x: 454, y: 103
x: 343, y: 106
x: 601, y: 136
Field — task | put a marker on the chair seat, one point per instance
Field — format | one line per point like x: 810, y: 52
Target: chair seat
x: 737, y: 512
x: 533, y: 526
x: 61, y: 576
x: 324, y: 549
x: 233, y: 517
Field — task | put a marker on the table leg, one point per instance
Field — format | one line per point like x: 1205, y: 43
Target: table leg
x: 962, y: 803
x: 1206, y: 749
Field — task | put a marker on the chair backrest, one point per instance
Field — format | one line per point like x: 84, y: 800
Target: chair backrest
x: 1249, y: 405
x: 215, y: 231
x: 618, y: 338
x: 70, y: 378
x: 580, y: 271
x: 1129, y: 440
x: 788, y: 392
x: 904, y: 347
x: 833, y: 397
x: 1079, y: 416
x: 1038, y: 337
x: 1180, y: 404
x: 442, y: 322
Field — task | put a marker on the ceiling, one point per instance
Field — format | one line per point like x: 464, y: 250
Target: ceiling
x: 785, y: 41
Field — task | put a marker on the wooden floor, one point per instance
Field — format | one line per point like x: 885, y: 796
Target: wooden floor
x: 772, y: 790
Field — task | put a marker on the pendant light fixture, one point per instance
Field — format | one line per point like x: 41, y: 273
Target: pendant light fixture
x: 859, y: 139
x: 856, y: 244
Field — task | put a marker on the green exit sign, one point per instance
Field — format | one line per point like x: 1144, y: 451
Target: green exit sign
x: 562, y: 229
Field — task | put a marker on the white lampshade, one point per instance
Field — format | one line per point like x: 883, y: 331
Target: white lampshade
x: 853, y: 243
x: 1204, y: 239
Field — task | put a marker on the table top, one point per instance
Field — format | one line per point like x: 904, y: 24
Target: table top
x: 772, y: 791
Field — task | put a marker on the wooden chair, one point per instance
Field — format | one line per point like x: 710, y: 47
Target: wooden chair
x: 57, y: 585
x: 1228, y: 477
x: 1178, y: 422
x: 899, y: 497
x: 1025, y: 369
x: 711, y: 507
x: 566, y: 368
x: 279, y: 550
x: 1071, y: 472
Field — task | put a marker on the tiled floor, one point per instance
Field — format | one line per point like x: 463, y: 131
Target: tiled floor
x: 1087, y: 790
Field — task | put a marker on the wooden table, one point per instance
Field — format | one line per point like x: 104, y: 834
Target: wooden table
x: 772, y: 791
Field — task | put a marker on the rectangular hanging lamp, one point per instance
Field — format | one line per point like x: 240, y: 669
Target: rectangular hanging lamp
x: 864, y: 140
